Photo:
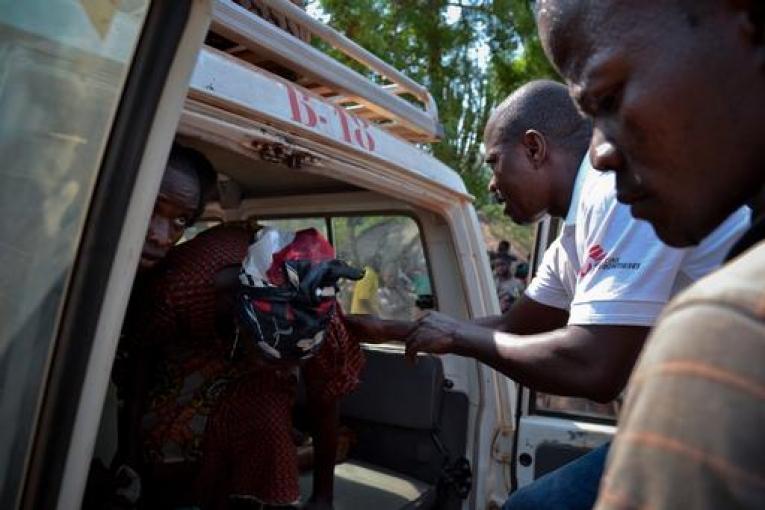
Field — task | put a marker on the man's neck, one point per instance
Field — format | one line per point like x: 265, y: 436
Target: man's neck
x: 564, y: 193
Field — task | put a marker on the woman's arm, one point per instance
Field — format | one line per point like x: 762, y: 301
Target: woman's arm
x: 372, y: 329
x: 325, y: 417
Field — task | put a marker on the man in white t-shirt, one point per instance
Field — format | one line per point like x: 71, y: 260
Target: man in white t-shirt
x: 582, y: 322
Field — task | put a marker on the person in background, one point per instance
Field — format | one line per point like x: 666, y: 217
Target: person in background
x: 503, y: 251
x: 521, y: 275
x: 515, y: 288
x: 420, y: 281
x: 676, y: 91
x: 395, y: 295
x: 365, y: 293
x: 507, y: 290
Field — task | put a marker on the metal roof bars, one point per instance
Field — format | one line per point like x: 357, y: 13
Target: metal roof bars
x: 261, y: 43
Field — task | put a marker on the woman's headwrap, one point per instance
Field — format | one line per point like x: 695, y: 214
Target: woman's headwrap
x: 287, y: 293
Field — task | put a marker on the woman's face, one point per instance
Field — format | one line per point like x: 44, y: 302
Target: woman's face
x: 174, y: 211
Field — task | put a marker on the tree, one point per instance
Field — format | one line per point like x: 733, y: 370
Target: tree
x: 469, y: 53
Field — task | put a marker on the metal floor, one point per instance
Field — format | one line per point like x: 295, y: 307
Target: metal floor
x: 363, y: 486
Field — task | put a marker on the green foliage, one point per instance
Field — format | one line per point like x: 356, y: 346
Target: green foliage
x: 501, y: 227
x: 469, y: 53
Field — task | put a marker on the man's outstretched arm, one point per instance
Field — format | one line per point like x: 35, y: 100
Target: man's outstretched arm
x: 581, y: 361
x: 372, y: 329
x: 525, y: 317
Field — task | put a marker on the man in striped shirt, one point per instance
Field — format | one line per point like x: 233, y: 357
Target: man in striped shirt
x: 676, y: 91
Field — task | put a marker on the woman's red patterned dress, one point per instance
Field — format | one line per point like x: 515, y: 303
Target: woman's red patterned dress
x: 230, y: 417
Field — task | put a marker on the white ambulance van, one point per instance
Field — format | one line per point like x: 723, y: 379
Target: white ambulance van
x: 92, y: 95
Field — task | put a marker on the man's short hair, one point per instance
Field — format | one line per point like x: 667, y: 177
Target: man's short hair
x: 192, y: 162
x: 545, y: 106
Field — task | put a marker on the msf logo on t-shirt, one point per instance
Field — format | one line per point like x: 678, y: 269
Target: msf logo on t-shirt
x: 597, y: 257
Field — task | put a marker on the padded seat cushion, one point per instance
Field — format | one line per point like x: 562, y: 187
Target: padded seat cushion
x: 393, y: 392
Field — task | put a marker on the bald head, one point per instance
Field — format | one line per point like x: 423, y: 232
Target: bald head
x: 543, y: 106
x: 535, y: 141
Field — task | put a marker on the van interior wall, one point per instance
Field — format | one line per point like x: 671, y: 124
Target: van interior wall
x: 261, y: 178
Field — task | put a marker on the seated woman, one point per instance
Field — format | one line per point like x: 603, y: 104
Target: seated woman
x: 187, y: 182
x: 212, y: 411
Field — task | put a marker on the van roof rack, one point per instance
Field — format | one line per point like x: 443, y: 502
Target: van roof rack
x: 399, y: 105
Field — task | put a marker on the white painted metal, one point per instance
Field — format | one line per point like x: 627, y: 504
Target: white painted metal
x: 263, y: 38
x: 536, y: 430
x: 91, y: 401
x: 239, y: 88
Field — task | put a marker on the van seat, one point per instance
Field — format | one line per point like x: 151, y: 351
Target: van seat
x: 361, y: 485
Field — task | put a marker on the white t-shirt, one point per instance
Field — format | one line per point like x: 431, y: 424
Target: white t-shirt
x: 606, y: 267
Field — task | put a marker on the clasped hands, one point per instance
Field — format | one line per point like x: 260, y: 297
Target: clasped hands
x: 436, y: 333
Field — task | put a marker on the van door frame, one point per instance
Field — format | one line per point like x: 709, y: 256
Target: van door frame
x: 534, y: 429
x: 152, y: 97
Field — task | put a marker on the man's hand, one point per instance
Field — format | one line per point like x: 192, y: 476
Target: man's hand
x: 435, y: 333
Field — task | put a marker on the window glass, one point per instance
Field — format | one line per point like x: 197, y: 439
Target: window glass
x: 295, y: 224
x: 63, y: 64
x: 390, y: 249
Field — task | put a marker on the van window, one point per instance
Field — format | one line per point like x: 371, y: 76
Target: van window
x: 397, y: 281
x: 62, y: 69
x: 390, y: 249
x: 295, y: 224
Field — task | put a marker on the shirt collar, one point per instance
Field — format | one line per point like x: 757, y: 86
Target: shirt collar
x: 584, y: 168
x: 754, y: 235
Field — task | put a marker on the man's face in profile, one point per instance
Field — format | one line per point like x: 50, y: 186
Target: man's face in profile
x: 514, y: 181
x: 677, y: 95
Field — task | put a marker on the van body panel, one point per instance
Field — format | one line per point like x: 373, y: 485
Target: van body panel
x: 546, y: 442
x: 235, y: 86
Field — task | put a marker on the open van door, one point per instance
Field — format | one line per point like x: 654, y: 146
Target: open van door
x: 90, y: 96
x: 552, y: 430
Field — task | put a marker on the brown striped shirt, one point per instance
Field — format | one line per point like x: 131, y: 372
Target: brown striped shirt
x: 692, y: 434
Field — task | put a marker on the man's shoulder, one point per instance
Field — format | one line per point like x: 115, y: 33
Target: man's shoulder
x: 598, y: 206
x: 736, y: 286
